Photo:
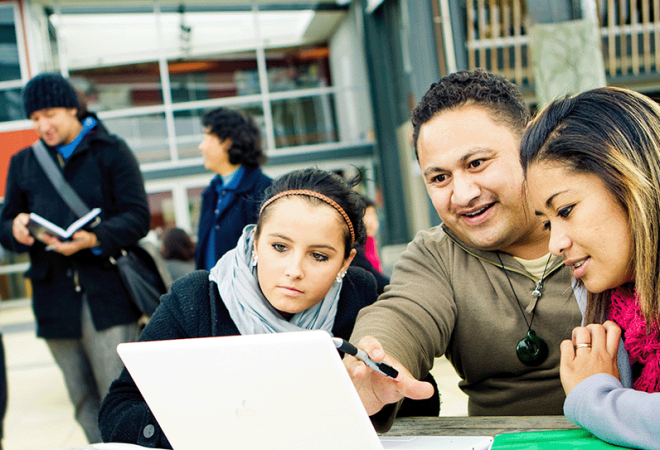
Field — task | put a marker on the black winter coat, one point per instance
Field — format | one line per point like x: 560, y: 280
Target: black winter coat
x: 242, y: 210
x: 194, y: 309
x: 105, y: 173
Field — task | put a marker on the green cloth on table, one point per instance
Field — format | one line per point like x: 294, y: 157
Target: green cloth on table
x: 550, y: 440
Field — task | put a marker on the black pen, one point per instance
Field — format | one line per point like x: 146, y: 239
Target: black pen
x: 352, y: 350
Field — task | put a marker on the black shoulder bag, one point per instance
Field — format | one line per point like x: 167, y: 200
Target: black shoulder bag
x: 141, y: 269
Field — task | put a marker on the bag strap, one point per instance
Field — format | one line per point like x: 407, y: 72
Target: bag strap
x: 54, y: 174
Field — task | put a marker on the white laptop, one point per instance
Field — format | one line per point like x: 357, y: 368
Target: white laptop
x: 279, y: 391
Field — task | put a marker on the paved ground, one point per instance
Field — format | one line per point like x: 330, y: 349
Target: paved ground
x: 39, y: 415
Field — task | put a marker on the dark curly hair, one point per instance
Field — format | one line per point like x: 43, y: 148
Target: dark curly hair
x: 177, y: 244
x: 477, y: 87
x: 329, y: 184
x: 244, y: 134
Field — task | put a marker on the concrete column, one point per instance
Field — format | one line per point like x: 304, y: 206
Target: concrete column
x: 565, y: 45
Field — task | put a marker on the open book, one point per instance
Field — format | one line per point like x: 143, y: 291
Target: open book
x: 39, y: 226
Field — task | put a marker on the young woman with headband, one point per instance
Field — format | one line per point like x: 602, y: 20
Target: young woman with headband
x: 288, y: 272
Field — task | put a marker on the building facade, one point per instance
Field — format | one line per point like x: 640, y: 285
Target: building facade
x: 331, y: 83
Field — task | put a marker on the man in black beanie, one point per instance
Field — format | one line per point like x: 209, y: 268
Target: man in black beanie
x: 80, y: 304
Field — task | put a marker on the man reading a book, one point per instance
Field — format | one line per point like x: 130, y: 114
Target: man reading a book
x: 80, y: 304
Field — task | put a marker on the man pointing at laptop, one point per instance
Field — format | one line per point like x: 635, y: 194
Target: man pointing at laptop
x: 481, y: 288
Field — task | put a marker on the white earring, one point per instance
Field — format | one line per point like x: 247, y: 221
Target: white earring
x: 254, y: 258
x: 340, y: 276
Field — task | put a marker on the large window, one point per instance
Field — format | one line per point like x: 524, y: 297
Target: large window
x: 11, y: 65
x: 119, y: 87
x: 145, y: 134
x: 152, y: 71
x: 214, y: 76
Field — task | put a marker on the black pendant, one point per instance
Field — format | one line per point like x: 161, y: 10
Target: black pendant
x: 532, y: 350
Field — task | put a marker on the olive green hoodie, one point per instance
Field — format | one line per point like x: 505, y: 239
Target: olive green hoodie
x: 446, y: 298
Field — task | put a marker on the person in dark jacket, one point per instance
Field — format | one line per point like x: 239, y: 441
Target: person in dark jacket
x: 232, y: 149
x: 80, y: 304
x: 288, y: 272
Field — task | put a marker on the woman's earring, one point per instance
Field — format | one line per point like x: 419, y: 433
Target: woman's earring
x: 254, y: 258
x: 340, y: 276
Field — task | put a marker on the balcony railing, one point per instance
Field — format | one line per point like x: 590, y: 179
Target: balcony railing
x: 497, y: 38
x: 631, y: 35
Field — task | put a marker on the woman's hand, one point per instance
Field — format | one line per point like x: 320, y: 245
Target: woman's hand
x: 376, y: 390
x: 593, y: 349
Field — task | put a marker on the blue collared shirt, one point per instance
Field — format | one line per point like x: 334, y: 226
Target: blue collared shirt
x: 224, y: 188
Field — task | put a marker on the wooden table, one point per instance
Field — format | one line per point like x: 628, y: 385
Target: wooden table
x: 442, y: 426
x: 476, y: 425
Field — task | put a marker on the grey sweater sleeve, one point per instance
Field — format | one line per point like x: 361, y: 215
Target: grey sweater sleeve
x: 621, y: 416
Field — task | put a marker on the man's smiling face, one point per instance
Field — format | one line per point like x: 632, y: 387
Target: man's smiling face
x: 471, y: 168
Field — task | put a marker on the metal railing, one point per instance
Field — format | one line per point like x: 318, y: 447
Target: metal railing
x: 497, y: 38
x: 631, y: 35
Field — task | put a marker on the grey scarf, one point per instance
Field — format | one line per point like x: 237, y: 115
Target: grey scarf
x: 237, y: 282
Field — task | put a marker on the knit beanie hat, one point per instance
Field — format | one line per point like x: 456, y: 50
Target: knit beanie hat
x: 48, y: 90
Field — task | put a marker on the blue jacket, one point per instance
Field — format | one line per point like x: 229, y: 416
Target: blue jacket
x: 242, y: 210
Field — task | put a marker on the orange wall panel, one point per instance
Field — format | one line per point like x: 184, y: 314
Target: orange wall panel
x: 10, y: 143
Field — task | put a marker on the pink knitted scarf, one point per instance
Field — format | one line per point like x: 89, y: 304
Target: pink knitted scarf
x: 642, y: 346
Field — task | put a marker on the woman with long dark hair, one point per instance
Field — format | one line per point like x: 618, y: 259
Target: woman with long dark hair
x: 592, y: 163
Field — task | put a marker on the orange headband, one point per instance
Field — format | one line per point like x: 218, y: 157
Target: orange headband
x: 327, y: 200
